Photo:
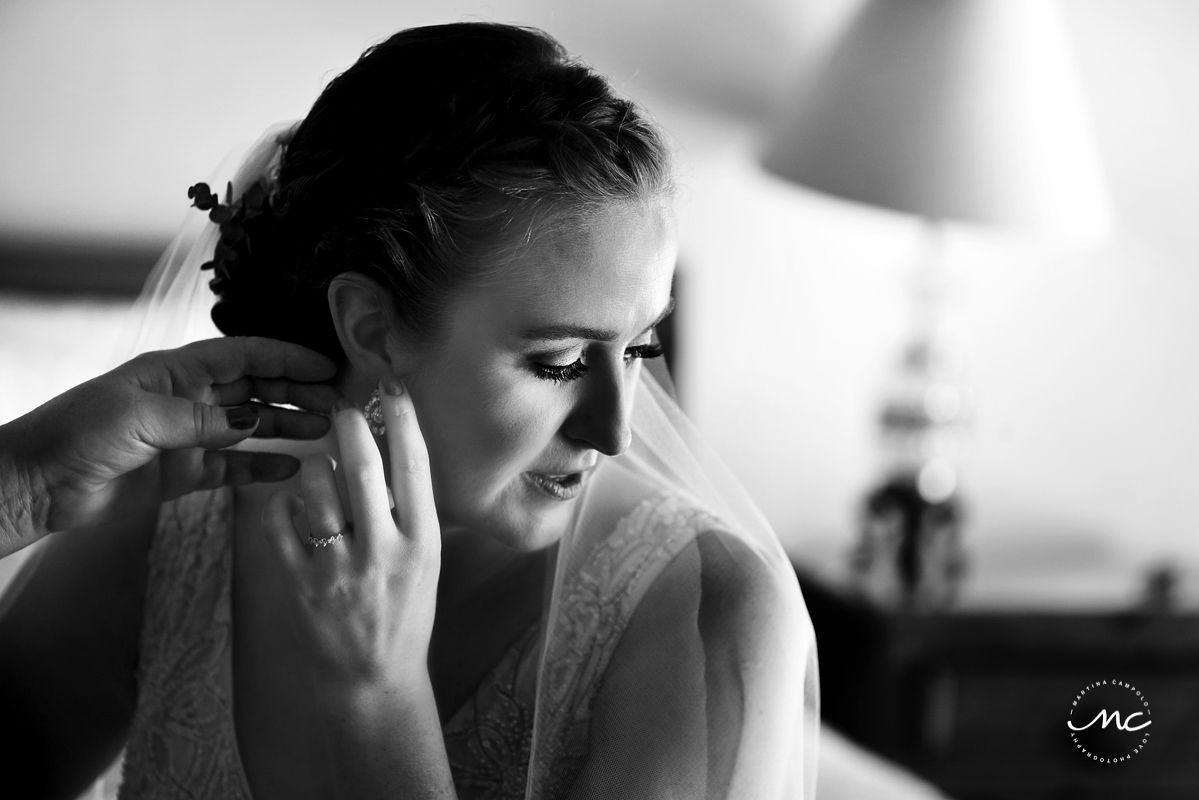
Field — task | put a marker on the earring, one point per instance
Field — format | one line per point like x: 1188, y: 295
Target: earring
x: 373, y: 411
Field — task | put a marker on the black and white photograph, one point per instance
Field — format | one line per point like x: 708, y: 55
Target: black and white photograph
x: 558, y: 400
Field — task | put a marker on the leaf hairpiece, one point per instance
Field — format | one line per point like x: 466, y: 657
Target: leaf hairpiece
x: 233, y: 244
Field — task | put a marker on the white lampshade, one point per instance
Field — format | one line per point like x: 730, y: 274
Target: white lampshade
x: 951, y: 109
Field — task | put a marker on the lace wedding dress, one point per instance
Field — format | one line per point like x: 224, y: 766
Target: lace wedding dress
x: 183, y: 743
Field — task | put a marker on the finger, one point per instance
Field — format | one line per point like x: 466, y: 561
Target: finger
x: 411, y: 481
x: 283, y: 423
x: 322, y: 504
x: 325, y: 542
x: 169, y: 423
x: 186, y: 471
x: 227, y: 359
x: 236, y: 468
x: 366, y: 485
x: 279, y: 527
x: 312, y: 396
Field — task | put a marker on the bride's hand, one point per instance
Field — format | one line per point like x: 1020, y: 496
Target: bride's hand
x: 364, y: 602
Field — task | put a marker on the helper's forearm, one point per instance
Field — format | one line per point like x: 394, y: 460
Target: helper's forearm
x: 22, y: 504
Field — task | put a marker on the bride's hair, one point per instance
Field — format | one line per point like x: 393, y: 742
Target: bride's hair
x: 438, y: 155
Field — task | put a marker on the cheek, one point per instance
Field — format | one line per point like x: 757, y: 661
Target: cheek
x: 487, y: 425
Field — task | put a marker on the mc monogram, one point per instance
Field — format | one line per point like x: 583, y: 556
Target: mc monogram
x: 1123, y: 715
x: 1108, y: 717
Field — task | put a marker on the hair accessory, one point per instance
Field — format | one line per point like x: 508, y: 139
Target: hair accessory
x: 232, y: 218
x: 373, y: 411
x: 324, y: 541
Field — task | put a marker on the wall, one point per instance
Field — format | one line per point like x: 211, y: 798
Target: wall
x: 112, y: 108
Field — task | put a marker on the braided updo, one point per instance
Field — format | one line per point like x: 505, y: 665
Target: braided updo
x: 438, y: 152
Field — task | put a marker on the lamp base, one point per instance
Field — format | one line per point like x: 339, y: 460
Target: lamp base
x: 909, y: 554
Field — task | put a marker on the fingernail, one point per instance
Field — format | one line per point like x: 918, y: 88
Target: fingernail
x: 391, y: 385
x: 342, y: 404
x: 242, y: 418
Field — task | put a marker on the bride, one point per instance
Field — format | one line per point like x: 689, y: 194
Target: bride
x: 512, y: 570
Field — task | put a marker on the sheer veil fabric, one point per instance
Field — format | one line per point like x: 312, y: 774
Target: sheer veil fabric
x: 677, y: 655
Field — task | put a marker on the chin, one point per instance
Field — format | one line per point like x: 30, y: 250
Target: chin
x: 530, y: 530
x: 518, y: 520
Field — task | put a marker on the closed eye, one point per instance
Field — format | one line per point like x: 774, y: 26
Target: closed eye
x: 556, y: 374
x: 577, y: 369
x: 651, y: 350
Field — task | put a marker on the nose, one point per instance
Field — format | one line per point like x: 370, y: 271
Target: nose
x: 600, y: 418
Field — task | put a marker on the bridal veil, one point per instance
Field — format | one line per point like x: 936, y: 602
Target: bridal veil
x: 673, y: 604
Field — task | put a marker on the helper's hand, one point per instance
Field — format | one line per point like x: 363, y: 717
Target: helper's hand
x: 153, y: 428
x: 363, y: 603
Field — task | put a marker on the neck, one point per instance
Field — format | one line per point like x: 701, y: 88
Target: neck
x: 476, y: 568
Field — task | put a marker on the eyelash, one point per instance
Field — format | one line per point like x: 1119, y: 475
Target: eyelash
x: 578, y: 369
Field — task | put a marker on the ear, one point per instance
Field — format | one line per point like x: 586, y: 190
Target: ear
x: 364, y: 316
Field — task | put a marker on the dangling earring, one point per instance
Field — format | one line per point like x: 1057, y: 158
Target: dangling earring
x: 373, y: 411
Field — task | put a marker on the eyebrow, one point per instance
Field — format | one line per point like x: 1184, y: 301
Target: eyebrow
x: 553, y: 332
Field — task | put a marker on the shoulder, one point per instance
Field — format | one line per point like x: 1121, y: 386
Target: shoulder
x: 714, y: 648
x: 737, y: 598
x: 746, y: 602
x: 697, y: 565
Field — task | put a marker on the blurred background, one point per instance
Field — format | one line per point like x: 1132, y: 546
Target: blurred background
x: 1071, y: 359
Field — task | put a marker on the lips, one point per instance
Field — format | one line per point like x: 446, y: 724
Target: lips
x: 560, y: 486
x: 570, y: 479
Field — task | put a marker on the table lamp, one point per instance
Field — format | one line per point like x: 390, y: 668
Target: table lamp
x: 951, y: 111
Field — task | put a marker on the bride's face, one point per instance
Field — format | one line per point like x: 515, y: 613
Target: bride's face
x: 532, y: 384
